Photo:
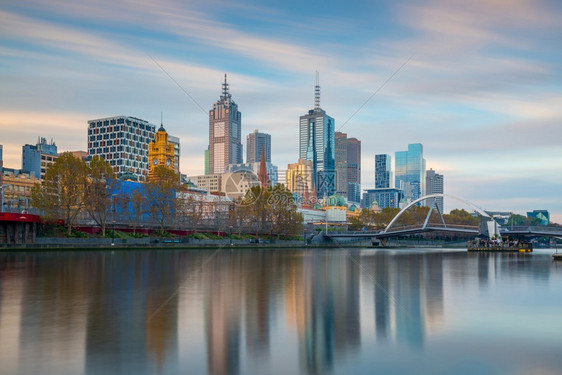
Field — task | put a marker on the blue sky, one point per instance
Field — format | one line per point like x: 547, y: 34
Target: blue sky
x: 482, y: 90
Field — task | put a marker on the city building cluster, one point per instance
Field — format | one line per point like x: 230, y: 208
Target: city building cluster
x: 326, y: 176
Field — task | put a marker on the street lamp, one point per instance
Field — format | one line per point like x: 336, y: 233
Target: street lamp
x: 22, y: 218
x: 112, y: 232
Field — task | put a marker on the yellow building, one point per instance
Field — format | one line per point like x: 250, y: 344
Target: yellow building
x: 160, y: 152
x: 16, y: 189
x: 299, y: 177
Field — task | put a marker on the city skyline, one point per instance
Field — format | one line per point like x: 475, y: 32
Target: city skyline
x: 477, y: 83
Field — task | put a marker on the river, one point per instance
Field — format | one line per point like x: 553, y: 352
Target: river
x: 321, y: 311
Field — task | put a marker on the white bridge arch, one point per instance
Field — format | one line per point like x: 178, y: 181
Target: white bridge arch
x: 436, y: 195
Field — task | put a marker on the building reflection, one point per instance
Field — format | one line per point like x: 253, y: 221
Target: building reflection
x: 322, y: 301
x: 223, y: 304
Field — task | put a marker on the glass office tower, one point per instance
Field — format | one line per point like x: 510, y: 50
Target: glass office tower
x: 317, y: 144
x: 410, y: 171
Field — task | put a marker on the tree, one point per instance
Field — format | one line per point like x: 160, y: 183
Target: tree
x: 98, y: 200
x: 61, y: 196
x: 161, y: 195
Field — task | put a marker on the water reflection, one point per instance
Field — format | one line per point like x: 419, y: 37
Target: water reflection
x: 244, y: 312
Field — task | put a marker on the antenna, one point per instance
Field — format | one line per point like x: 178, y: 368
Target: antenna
x: 225, y: 93
x: 317, y: 92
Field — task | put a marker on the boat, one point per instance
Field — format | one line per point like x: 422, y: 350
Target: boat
x: 500, y: 246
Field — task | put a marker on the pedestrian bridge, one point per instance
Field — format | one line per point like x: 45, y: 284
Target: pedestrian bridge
x: 489, y: 228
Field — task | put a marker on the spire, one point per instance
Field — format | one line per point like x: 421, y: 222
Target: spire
x: 225, y: 94
x: 161, y: 123
x: 262, y: 175
x: 317, y: 92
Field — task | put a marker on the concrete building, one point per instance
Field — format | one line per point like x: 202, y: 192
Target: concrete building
x: 341, y: 163
x: 225, y: 126
x: 123, y: 142
x: 317, y: 144
x: 175, y: 141
x: 39, y: 157
x: 16, y: 189
x: 433, y: 185
x: 207, y: 182
x: 353, y: 170
x: 257, y: 142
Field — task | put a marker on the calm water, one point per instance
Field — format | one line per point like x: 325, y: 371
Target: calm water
x: 280, y: 312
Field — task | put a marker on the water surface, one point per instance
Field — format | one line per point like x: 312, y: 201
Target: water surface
x: 229, y: 311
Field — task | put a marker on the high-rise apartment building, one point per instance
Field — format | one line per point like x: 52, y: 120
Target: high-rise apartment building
x: 434, y: 184
x: 257, y: 142
x: 122, y: 141
x: 383, y: 171
x: 353, y: 170
x: 410, y: 171
x: 37, y: 158
x: 341, y: 163
x: 225, y: 126
x: 317, y: 144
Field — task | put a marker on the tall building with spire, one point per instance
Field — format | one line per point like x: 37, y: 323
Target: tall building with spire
x: 225, y: 125
x: 317, y: 144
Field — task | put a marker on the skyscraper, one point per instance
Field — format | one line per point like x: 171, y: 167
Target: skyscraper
x: 434, y: 184
x: 37, y: 158
x: 341, y: 163
x: 353, y: 170
x: 410, y: 171
x: 316, y: 144
x: 225, y: 122
x: 383, y: 171
x: 255, y: 143
x: 122, y: 141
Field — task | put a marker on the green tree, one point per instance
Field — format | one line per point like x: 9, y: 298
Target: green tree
x: 61, y: 196
x: 98, y: 200
x: 161, y: 196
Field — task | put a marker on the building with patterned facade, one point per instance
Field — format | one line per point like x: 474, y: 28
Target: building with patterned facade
x: 299, y: 178
x: 383, y: 172
x: 39, y: 157
x: 123, y: 142
x: 317, y: 144
x: 225, y: 126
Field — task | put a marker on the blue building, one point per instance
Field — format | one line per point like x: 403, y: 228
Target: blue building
x: 542, y: 215
x: 37, y: 158
x: 383, y: 171
x: 410, y: 171
x: 389, y: 197
x: 317, y: 144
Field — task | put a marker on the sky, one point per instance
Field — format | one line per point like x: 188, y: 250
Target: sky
x: 477, y: 82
